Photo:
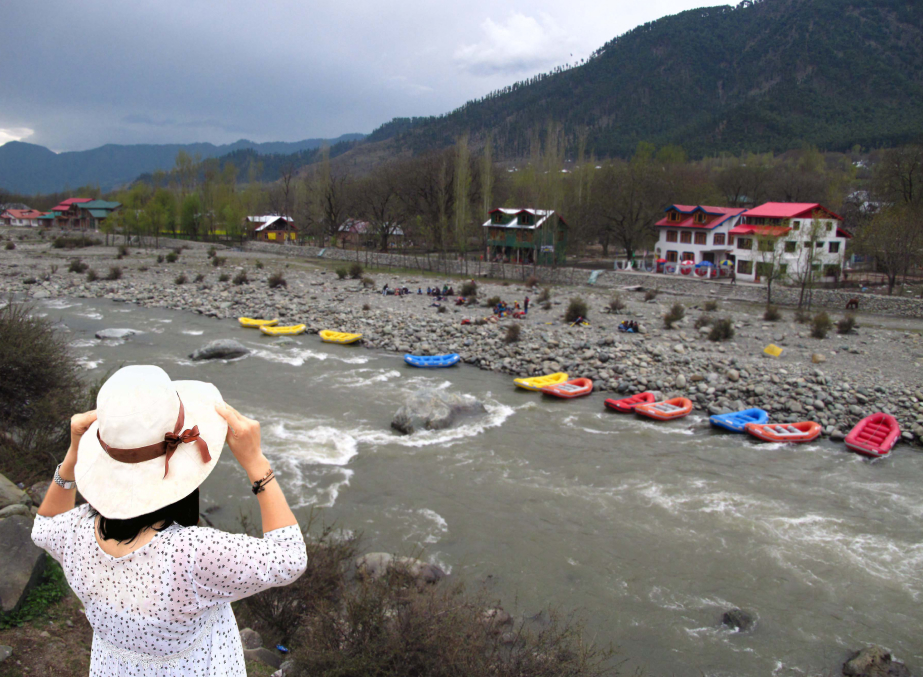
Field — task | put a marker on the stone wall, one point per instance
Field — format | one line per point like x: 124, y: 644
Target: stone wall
x: 608, y: 279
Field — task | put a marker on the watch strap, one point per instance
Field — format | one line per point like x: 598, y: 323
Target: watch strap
x: 61, y: 482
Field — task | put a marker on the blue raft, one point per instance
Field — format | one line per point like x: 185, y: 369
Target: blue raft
x: 737, y: 421
x: 432, y: 362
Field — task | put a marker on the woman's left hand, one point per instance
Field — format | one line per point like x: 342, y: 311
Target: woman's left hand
x: 80, y: 423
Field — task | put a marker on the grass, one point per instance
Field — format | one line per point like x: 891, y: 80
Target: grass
x: 52, y: 588
x: 77, y: 266
x: 258, y: 264
x: 846, y: 324
x: 711, y: 306
x: 576, y: 309
x: 821, y: 325
x: 172, y: 257
x: 676, y: 313
x: 92, y: 276
x: 368, y: 282
x: 199, y: 278
x: 355, y: 270
x: 180, y: 279
x: 224, y: 277
x: 721, y: 330
x: 703, y: 320
x: 342, y: 273
x: 650, y: 294
x: 218, y: 261
x: 75, y: 242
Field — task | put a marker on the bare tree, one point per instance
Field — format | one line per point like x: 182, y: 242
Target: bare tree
x: 895, y: 240
x: 379, y: 202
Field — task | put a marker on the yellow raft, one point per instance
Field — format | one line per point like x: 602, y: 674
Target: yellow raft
x: 539, y: 382
x: 292, y: 330
x: 328, y: 336
x: 251, y: 323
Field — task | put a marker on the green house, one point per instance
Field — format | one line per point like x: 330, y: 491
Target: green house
x: 526, y: 236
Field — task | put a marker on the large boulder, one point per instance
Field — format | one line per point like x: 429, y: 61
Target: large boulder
x: 375, y: 565
x: 873, y: 661
x: 10, y: 493
x: 431, y: 409
x: 220, y: 349
x: 21, y: 561
x: 116, y: 333
x: 737, y: 619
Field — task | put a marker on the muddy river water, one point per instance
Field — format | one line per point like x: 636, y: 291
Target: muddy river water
x: 650, y: 530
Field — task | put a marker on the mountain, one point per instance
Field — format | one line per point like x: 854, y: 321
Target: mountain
x: 764, y: 76
x: 26, y: 168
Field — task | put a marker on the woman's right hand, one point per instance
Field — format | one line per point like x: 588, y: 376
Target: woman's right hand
x: 244, y: 440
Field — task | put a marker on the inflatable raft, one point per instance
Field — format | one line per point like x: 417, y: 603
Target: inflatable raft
x: 737, y: 421
x: 666, y: 411
x: 576, y: 387
x: 539, y: 382
x: 803, y: 431
x: 292, y: 330
x: 432, y: 362
x: 328, y: 336
x: 874, y: 435
x: 627, y: 405
x: 251, y: 323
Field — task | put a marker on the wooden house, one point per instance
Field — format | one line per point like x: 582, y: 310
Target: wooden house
x: 526, y: 236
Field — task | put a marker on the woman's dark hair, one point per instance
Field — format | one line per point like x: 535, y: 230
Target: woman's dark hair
x: 184, y: 512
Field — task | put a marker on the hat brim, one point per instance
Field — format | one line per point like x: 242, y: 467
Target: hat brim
x: 125, y: 490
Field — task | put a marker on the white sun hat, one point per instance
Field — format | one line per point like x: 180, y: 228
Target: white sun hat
x: 154, y: 442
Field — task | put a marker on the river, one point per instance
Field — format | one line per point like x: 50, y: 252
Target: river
x: 649, y: 530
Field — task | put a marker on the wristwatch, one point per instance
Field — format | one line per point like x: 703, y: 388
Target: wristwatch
x: 61, y: 482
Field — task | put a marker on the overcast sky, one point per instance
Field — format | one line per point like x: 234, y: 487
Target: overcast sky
x: 76, y: 75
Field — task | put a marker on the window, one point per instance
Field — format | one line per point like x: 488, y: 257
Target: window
x: 766, y: 244
x: 685, y: 237
x: 671, y: 257
x: 719, y: 238
x: 699, y: 217
x: 783, y: 269
x: 796, y: 225
x: 745, y: 267
x: 671, y: 236
x: 764, y: 269
x: 832, y: 271
x: 688, y: 256
x: 819, y: 244
x: 525, y: 219
x: 834, y: 248
x: 830, y: 227
x: 674, y: 216
x: 701, y: 238
x: 744, y: 243
x: 498, y: 217
x: 791, y: 246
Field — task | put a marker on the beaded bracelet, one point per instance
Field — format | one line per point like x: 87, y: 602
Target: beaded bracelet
x: 261, y: 483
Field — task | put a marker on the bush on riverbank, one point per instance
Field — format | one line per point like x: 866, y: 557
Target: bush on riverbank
x: 241, y: 278
x: 772, y: 313
x: 650, y: 294
x: 676, y: 313
x: 180, y: 279
x: 341, y: 273
x: 337, y: 624
x: 277, y: 280
x: 576, y: 310
x: 846, y: 324
x: 92, y: 276
x: 355, y: 271
x: 721, y: 330
x: 77, y: 266
x: 115, y: 273
x: 703, y: 320
x: 616, y: 304
x: 74, y: 242
x: 10, y: 245
x: 172, y: 257
x: 39, y: 391
x: 469, y: 288
x: 218, y: 261
x: 512, y: 333
x: 711, y: 306
x: 821, y: 325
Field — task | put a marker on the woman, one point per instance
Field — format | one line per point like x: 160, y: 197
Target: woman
x: 156, y: 588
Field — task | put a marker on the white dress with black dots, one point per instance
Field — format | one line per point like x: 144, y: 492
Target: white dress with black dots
x: 165, y: 609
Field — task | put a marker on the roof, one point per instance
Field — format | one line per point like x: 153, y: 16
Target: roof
x: 269, y: 217
x: 99, y: 213
x: 723, y: 214
x: 272, y: 222
x: 789, y: 210
x: 363, y: 227
x: 770, y: 231
x: 23, y: 213
x: 100, y: 204
x: 541, y: 215
x: 64, y: 206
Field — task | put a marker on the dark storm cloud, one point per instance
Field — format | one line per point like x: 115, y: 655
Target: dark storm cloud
x: 77, y: 75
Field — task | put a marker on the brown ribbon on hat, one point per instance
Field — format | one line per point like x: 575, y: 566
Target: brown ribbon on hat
x: 167, y: 447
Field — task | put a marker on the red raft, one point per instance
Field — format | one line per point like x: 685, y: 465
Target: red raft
x: 627, y: 405
x: 874, y: 435
x: 576, y: 387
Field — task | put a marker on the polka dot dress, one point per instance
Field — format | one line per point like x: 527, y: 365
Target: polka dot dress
x: 165, y: 609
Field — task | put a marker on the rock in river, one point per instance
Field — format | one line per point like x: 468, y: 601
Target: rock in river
x: 873, y: 661
x: 434, y: 410
x: 221, y: 349
x: 737, y: 619
x: 115, y: 333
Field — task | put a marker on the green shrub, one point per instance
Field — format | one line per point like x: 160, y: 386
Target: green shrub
x: 211, y: 252
x: 846, y: 324
x: 544, y: 296
x: 259, y: 265
x: 442, y: 309
x: 512, y: 333
x: 616, y: 304
x: 78, y: 242
x: 802, y: 316
x: 342, y: 273
x: 492, y: 302
x: 821, y: 325
x: 92, y: 276
x: 199, y: 278
x: 532, y: 281
x: 469, y: 288
x: 172, y: 257
x: 721, y: 330
x: 180, y: 279
x: 241, y: 278
x: 160, y: 258
x: 704, y: 320
x: 368, y: 282
x: 51, y: 589
x: 115, y: 273
x: 677, y: 312
x: 366, y: 306
x: 711, y: 306
x: 277, y: 280
x: 772, y: 313
x: 576, y: 309
x: 123, y: 251
x: 355, y: 270
x: 224, y: 277
x: 77, y: 266
x: 10, y: 246
x: 218, y: 261
x: 650, y: 294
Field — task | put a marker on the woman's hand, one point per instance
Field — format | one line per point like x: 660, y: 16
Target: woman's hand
x: 80, y: 423
x: 244, y: 440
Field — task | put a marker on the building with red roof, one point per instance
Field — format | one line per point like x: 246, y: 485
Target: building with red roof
x: 21, y: 217
x: 67, y: 214
x: 697, y: 233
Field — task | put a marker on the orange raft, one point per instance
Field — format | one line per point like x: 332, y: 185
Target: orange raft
x: 803, y: 431
x: 666, y: 411
x: 576, y: 387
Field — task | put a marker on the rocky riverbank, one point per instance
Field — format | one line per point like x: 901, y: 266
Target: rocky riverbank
x: 835, y: 381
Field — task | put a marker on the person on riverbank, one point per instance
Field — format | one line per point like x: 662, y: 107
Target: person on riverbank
x: 525, y: 306
x: 158, y: 589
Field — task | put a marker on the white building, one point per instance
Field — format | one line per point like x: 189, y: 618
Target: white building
x: 695, y: 233
x: 789, y: 238
x: 21, y: 217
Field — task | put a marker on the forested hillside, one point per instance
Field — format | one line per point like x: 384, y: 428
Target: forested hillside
x: 765, y: 76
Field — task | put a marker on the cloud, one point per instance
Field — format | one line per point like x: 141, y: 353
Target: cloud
x: 14, y: 134
x: 403, y: 83
x: 517, y: 45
